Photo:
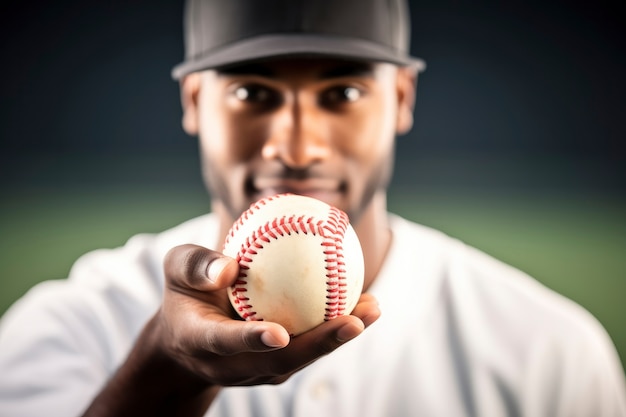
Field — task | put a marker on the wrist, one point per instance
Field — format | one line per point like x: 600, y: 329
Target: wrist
x: 152, y: 382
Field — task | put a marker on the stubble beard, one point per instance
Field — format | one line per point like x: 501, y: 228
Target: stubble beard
x: 221, y: 194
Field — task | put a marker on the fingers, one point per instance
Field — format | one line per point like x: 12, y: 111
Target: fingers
x: 231, y: 337
x: 307, y: 347
x: 192, y: 266
x: 327, y: 337
x: 198, y: 326
x: 367, y: 309
x: 227, y: 337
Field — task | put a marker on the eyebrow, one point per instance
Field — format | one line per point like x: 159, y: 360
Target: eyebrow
x: 349, y: 69
x: 247, y: 69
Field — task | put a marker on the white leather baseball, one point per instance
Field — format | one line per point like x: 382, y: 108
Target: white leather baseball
x: 300, y: 262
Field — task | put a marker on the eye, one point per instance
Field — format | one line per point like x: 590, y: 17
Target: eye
x: 255, y: 93
x: 340, y: 95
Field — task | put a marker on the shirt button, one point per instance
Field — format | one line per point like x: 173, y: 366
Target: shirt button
x: 320, y: 390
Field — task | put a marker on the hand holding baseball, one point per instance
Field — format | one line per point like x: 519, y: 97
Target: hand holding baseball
x: 195, y: 343
x: 197, y: 326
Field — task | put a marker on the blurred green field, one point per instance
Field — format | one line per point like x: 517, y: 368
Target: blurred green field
x: 573, y: 244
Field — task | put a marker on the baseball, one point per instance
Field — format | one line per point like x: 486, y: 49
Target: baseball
x: 300, y: 262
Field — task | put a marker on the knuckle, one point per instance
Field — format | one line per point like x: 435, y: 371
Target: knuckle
x: 191, y: 262
x: 214, y: 342
x: 184, y: 264
x: 250, y: 341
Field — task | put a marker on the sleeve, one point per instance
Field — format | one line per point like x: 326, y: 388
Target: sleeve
x: 577, y: 376
x: 52, y: 360
x: 550, y: 353
x: 61, y: 342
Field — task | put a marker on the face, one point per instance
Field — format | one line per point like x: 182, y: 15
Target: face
x: 323, y: 128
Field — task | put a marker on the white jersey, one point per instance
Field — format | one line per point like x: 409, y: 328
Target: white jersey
x: 461, y: 334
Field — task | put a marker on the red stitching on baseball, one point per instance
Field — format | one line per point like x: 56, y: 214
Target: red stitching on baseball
x: 251, y: 210
x: 332, y: 231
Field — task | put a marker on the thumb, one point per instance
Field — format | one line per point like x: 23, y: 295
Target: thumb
x: 199, y: 268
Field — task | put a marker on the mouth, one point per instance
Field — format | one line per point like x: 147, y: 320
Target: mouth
x: 325, y: 189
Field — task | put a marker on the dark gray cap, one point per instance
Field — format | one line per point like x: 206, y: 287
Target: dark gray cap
x: 220, y: 33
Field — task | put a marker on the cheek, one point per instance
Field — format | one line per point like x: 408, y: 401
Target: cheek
x: 365, y: 137
x: 230, y: 138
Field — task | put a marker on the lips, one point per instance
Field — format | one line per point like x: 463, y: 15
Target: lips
x: 325, y: 189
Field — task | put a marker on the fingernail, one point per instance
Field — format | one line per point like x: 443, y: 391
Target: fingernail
x: 215, y: 268
x: 270, y: 340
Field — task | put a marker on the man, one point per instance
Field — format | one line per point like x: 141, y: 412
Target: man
x: 303, y: 97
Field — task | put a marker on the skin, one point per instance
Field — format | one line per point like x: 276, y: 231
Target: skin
x: 324, y: 128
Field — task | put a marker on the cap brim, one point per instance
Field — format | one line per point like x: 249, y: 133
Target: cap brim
x: 273, y: 46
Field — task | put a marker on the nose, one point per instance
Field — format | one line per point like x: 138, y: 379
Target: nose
x: 298, y: 136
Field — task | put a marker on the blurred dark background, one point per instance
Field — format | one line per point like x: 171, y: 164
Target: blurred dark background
x: 517, y: 146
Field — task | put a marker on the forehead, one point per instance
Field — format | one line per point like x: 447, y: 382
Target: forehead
x: 314, y: 68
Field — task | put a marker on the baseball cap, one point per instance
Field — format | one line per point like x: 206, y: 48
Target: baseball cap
x: 219, y: 33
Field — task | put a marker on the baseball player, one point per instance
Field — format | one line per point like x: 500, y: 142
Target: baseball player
x: 305, y: 97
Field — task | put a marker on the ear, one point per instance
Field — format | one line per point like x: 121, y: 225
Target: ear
x: 406, y: 83
x: 189, y: 93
